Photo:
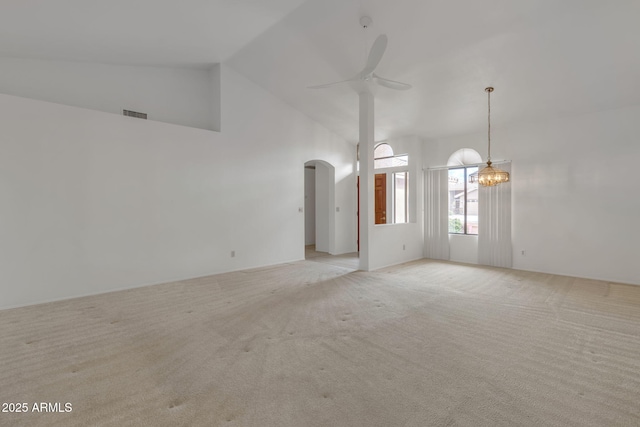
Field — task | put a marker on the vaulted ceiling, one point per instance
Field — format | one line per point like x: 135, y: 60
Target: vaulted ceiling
x: 546, y: 58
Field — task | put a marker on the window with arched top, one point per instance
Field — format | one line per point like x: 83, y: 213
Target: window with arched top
x: 464, y: 156
x: 385, y: 158
x: 382, y: 150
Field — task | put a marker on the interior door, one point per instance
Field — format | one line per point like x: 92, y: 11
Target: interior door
x: 381, y: 198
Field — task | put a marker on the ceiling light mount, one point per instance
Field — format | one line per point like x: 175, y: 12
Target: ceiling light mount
x: 365, y: 22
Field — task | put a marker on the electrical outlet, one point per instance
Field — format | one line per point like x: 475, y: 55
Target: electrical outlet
x: 337, y: 208
x: 233, y: 254
x: 523, y: 254
x: 404, y: 247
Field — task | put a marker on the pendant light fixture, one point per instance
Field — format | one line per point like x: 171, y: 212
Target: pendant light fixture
x: 491, y: 176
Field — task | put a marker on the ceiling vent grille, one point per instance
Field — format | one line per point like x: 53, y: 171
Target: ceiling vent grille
x: 135, y: 114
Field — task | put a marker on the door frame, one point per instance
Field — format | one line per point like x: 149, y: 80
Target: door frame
x: 325, y: 206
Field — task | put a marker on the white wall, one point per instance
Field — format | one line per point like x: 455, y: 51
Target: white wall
x: 92, y: 202
x: 184, y: 96
x: 309, y: 206
x: 463, y: 248
x: 397, y: 243
x: 574, y: 183
x: 323, y: 201
x: 215, y: 99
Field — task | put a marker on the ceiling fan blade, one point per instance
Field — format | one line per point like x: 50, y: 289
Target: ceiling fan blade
x: 375, y: 55
x: 391, y: 84
x: 329, y: 84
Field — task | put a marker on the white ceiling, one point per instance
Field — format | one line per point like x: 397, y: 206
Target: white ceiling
x: 140, y: 32
x: 546, y: 58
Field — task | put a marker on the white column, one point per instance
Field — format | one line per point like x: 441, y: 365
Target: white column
x: 366, y: 208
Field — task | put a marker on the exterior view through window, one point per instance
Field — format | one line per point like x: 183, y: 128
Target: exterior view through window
x: 463, y: 201
x: 400, y: 193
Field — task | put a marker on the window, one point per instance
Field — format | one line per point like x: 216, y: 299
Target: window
x: 384, y: 157
x: 391, y: 185
x: 463, y: 200
x: 400, y: 199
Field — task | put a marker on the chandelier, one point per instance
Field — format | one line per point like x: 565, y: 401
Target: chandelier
x: 490, y: 176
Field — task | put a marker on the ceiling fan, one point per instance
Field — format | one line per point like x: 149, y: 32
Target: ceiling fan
x: 368, y: 72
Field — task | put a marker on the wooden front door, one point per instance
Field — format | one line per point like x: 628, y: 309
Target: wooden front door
x: 381, y: 198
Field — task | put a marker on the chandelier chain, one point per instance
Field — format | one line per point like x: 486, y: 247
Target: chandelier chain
x: 489, y: 122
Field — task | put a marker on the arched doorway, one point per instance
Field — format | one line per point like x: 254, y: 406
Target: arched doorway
x: 319, y: 206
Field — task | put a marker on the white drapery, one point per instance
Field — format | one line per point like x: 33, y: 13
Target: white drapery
x: 494, y: 224
x: 436, y: 222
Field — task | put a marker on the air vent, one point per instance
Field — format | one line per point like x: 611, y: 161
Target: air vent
x: 134, y: 114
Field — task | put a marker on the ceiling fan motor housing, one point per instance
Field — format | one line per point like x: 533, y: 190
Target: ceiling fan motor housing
x: 365, y: 21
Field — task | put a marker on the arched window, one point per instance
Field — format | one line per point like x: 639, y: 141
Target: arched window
x: 382, y: 150
x: 464, y: 156
x: 384, y: 158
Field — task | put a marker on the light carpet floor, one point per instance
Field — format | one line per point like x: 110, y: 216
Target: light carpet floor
x: 315, y: 343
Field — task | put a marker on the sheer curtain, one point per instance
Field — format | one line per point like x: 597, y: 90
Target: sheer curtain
x: 436, y: 218
x: 494, y: 228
